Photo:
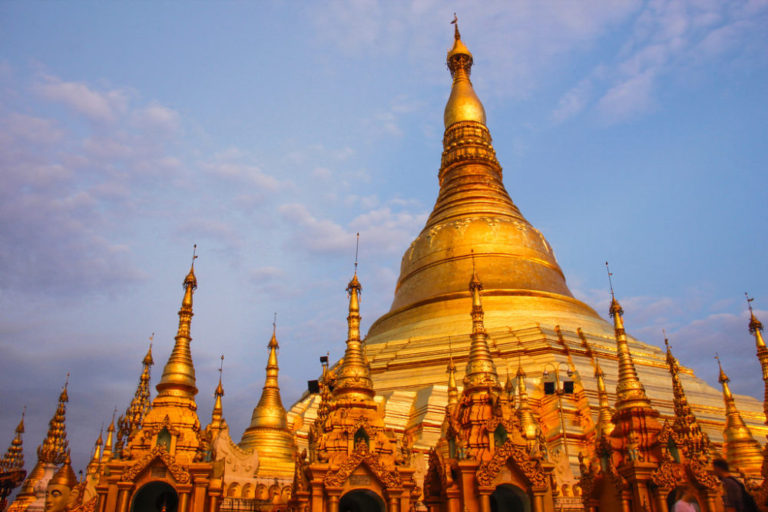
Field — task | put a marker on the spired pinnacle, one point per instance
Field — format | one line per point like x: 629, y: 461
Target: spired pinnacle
x: 179, y: 373
x: 54, y: 447
x: 131, y: 421
x: 217, y: 414
x: 269, y: 413
x: 14, y: 457
x: 480, y: 372
x: 630, y: 392
x: 463, y: 104
x: 604, y: 423
x: 353, y: 379
x: 741, y: 449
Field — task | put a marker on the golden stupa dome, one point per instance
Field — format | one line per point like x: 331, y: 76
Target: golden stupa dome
x: 474, y: 214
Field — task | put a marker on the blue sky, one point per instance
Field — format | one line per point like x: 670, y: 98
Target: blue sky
x: 269, y: 133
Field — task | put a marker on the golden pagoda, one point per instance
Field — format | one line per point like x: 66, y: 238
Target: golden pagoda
x: 50, y: 454
x: 12, y: 472
x: 354, y: 462
x: 741, y: 450
x: 260, y: 468
x: 531, y: 316
x: 488, y: 457
x: 587, y: 419
x: 165, y: 461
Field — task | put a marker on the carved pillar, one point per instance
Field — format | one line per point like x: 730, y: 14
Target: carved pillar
x: 183, y: 501
x: 661, y: 501
x: 123, y: 488
x: 334, y: 493
x: 452, y: 501
x: 625, y: 502
x: 317, y: 495
x: 485, y: 502
x: 538, y: 502
x: 392, y: 502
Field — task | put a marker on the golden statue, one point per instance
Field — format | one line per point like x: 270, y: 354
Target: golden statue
x: 59, y: 491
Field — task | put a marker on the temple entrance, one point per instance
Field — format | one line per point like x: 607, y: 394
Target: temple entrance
x: 361, y: 500
x: 675, y: 495
x: 509, y: 498
x: 155, y: 497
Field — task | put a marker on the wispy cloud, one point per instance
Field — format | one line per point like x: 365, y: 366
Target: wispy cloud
x: 665, y: 37
x: 93, y: 104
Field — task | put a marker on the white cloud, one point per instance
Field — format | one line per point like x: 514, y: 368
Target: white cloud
x: 95, y: 105
x: 157, y: 117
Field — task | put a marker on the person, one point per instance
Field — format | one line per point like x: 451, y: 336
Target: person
x: 685, y: 500
x: 735, y: 496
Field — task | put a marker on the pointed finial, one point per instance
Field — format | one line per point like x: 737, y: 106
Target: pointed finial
x: 610, y: 281
x: 455, y: 24
x: 755, y: 326
x: 357, y: 248
x: 219, y: 389
x: 194, y: 255
x: 722, y: 377
x: 20, y: 426
x: 615, y: 310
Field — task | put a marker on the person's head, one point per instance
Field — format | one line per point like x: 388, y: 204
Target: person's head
x: 720, y: 467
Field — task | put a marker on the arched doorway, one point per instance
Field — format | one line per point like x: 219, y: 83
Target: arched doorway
x: 361, y: 500
x: 509, y: 498
x: 155, y: 497
x: 675, y: 495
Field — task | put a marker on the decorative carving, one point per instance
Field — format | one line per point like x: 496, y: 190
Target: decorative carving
x: 668, y: 475
x: 388, y: 479
x: 531, y: 469
x: 179, y: 472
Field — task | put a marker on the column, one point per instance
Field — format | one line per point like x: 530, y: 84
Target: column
x: 333, y: 503
x: 393, y: 502
x: 538, y: 502
x: 485, y: 502
x: 122, y: 495
x: 661, y: 502
x: 183, y: 502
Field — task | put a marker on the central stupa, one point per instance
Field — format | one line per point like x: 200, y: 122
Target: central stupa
x: 533, y: 322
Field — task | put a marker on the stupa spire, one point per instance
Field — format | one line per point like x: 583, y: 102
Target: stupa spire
x: 527, y: 421
x: 604, y: 423
x: 685, y: 423
x: 140, y: 404
x: 55, y: 445
x: 741, y: 449
x: 178, y: 378
x: 96, y: 458
x: 109, y: 445
x: 453, y: 389
x: 463, y: 104
x: 756, y: 329
x: 14, y: 457
x: 217, y: 415
x: 480, y: 372
x: 354, y: 375
x: 269, y: 414
x: 629, y: 390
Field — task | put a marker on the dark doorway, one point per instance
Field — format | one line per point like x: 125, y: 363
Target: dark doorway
x: 508, y: 498
x: 673, y: 496
x: 155, y: 497
x: 361, y: 500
